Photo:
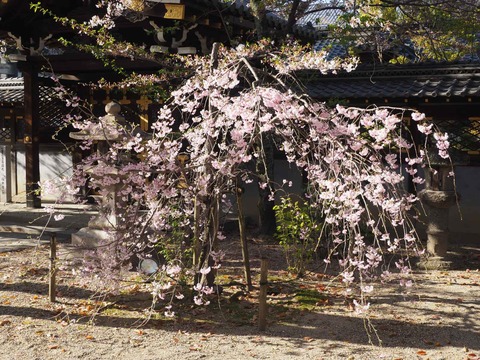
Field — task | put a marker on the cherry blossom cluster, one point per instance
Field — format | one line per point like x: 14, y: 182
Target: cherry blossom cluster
x: 353, y: 160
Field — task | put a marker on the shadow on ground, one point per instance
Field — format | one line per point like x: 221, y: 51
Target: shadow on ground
x: 297, y: 326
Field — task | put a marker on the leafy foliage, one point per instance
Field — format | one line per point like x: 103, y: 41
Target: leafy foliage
x: 297, y: 231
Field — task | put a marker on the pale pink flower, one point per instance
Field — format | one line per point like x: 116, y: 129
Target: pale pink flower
x: 416, y: 116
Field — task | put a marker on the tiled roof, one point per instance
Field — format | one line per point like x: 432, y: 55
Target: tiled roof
x: 333, y: 48
x: 424, y: 81
x: 319, y: 17
x: 11, y: 90
x: 241, y: 8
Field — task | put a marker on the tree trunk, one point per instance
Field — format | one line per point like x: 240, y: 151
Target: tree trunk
x: 265, y: 171
x: 292, y: 16
x: 259, y: 13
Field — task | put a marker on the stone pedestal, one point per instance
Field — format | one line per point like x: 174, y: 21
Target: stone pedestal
x: 102, y: 227
x: 438, y: 197
x: 437, y: 204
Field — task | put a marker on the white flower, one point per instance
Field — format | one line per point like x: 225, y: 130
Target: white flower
x: 59, y: 217
x: 197, y: 287
x: 168, y: 313
x: 49, y: 209
x: 359, y: 308
x: 205, y: 271
x: 416, y: 116
x: 425, y: 129
x: 197, y: 300
x: 367, y: 288
x: 348, y: 277
x: 173, y: 270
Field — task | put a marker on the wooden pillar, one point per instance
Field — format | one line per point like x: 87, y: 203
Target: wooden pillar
x: 31, y: 138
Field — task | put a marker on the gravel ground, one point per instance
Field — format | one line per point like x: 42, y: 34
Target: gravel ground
x: 438, y: 319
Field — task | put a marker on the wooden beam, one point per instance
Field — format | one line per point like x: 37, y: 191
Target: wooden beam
x: 31, y: 137
x: 85, y: 63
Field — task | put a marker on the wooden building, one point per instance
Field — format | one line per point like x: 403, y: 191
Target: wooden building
x: 28, y: 119
x: 449, y: 95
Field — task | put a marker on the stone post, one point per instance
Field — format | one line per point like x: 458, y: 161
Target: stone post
x: 437, y: 197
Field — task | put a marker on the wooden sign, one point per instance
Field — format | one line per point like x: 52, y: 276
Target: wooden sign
x: 175, y: 11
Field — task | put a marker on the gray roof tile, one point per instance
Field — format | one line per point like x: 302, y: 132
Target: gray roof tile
x: 400, y: 82
x: 320, y: 19
x: 11, y: 90
x: 333, y: 48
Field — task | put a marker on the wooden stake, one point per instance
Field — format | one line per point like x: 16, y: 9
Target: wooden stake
x: 197, y: 246
x: 214, y: 56
x: 262, y: 297
x: 52, y: 287
x: 243, y: 240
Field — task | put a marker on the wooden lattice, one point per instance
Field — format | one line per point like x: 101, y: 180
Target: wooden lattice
x: 52, y: 110
x: 5, y: 135
x: 463, y: 134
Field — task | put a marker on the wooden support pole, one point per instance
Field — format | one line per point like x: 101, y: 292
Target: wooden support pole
x: 52, y: 286
x: 214, y: 224
x: 31, y: 137
x: 214, y: 56
x: 243, y: 240
x: 262, y: 297
x: 197, y: 245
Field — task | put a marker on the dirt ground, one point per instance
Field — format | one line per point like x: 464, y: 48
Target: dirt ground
x: 439, y: 318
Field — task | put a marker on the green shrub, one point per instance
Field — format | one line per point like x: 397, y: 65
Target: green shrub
x: 297, y: 231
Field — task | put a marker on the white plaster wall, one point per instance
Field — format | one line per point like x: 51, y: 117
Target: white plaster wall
x: 464, y: 222
x: 5, y: 173
x: 55, y: 162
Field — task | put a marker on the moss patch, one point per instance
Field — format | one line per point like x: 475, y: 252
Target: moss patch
x: 308, y: 297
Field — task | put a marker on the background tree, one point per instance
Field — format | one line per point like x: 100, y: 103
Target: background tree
x: 432, y: 29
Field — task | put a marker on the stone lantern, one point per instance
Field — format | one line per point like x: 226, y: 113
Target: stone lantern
x: 102, y: 226
x: 437, y: 197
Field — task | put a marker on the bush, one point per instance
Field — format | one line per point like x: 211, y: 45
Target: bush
x: 298, y: 233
